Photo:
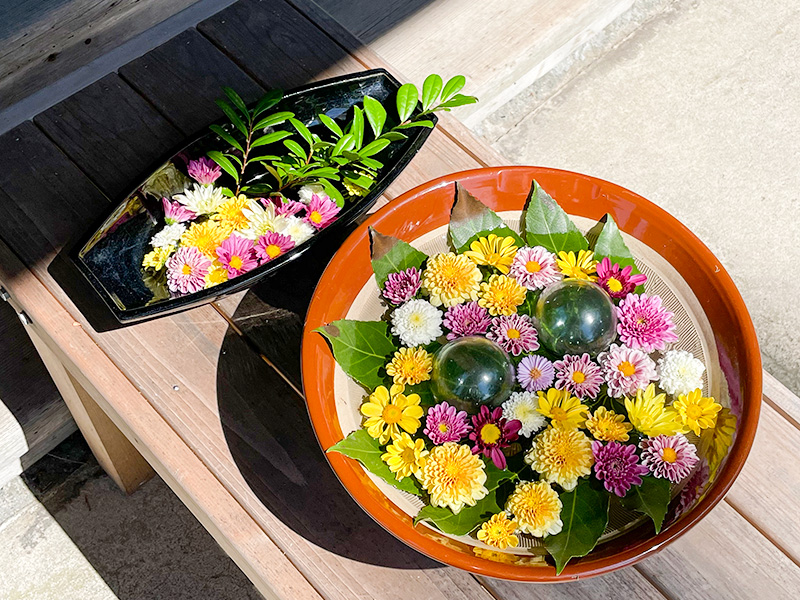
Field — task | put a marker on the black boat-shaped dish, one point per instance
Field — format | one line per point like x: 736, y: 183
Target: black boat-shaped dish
x: 110, y: 257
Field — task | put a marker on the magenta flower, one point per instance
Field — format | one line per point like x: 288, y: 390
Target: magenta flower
x: 669, y: 456
x: 491, y: 432
x: 618, y: 282
x: 186, y: 270
x: 444, y: 423
x: 535, y: 373
x: 579, y: 375
x: 617, y: 466
x: 402, y: 286
x: 204, y: 170
x: 321, y: 211
x: 288, y: 208
x: 514, y: 334
x: 626, y: 370
x: 466, y: 319
x: 175, y: 212
x: 272, y: 245
x: 534, y: 268
x: 237, y: 255
x: 644, y: 323
x: 694, y: 488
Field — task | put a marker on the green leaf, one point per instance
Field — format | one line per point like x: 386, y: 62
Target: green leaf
x: 407, y: 98
x: 366, y: 450
x: 457, y: 100
x: 332, y: 192
x: 373, y: 147
x: 606, y: 240
x: 227, y: 137
x: 471, y: 219
x: 329, y: 172
x: 376, y: 114
x: 268, y: 100
x: 344, y: 141
x: 331, y: 124
x: 467, y: 519
x: 361, y: 348
x: 495, y: 476
x: 371, y: 163
x: 430, y: 90
x: 423, y: 123
x: 651, y: 498
x: 357, y: 128
x: 273, y: 119
x: 529, y: 306
x: 393, y: 136
x: 453, y: 86
x: 295, y: 148
x: 233, y: 116
x: 546, y: 224
x: 423, y: 390
x: 584, y: 513
x: 390, y: 255
x: 270, y: 138
x: 237, y: 101
x: 303, y: 131
x: 223, y: 162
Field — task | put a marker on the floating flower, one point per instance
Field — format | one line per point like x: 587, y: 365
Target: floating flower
x: 514, y: 333
x: 230, y: 215
x: 168, y: 236
x: 608, y: 426
x: 498, y: 532
x: 206, y: 237
x: 451, y: 279
x: 564, y: 410
x: 491, y: 432
x: 561, y: 456
x: 410, y: 366
x: 288, y: 208
x: 535, y: 373
x: 618, y: 282
x: 405, y: 456
x: 322, y: 211
x: 186, y: 270
x: 626, y: 370
x: 617, y: 466
x: 581, y: 267
x: 648, y: 414
x: 260, y: 220
x: 465, y: 319
x: 271, y: 245
x: 695, y: 487
x: 417, y: 323
x: 216, y: 274
x: 307, y: 192
x: 501, y: 295
x: 296, y: 228
x: 715, y: 441
x: 524, y: 407
x: 445, y: 423
x: 536, y: 508
x: 493, y: 251
x: 578, y: 375
x: 679, y: 372
x: 236, y: 254
x: 157, y: 258
x: 402, y: 286
x: 201, y: 199
x: 454, y: 477
x: 534, y: 268
x: 669, y: 457
x: 389, y: 411
x: 695, y: 412
x: 175, y: 212
x: 644, y: 323
x: 203, y: 170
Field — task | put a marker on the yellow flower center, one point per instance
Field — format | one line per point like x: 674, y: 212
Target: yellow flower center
x: 578, y: 377
x: 532, y: 266
x: 236, y: 262
x: 512, y: 333
x: 535, y: 373
x: 315, y: 217
x: 415, y: 319
x: 694, y: 412
x: 669, y: 455
x: 490, y: 433
x: 626, y: 368
x: 273, y: 250
x: 641, y: 321
x: 557, y: 413
x: 444, y: 427
x: 614, y: 284
x: 391, y: 414
x: 408, y: 455
x: 186, y: 269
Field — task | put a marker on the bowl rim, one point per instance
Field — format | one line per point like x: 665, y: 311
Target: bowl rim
x: 315, y: 352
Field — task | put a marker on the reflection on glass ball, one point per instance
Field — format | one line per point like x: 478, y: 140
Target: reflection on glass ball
x: 574, y: 317
x: 471, y: 371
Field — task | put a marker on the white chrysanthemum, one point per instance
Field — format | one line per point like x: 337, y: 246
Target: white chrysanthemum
x: 417, y: 323
x: 168, y: 236
x: 304, y: 193
x: 680, y: 373
x: 260, y: 220
x: 202, y: 199
x: 523, y: 406
x: 296, y: 228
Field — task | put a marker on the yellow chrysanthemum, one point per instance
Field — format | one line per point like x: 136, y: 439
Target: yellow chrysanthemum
x: 206, y: 237
x: 648, y: 414
x: 501, y: 295
x: 608, y: 426
x: 536, y: 508
x: 389, y: 411
x: 715, y: 441
x: 216, y: 274
x: 581, y: 267
x: 410, y: 366
x: 230, y: 216
x: 564, y: 410
x: 495, y: 555
x: 493, y: 251
x: 454, y: 476
x: 405, y: 456
x: 451, y: 279
x: 157, y: 258
x: 561, y: 456
x: 498, y: 532
x: 695, y: 412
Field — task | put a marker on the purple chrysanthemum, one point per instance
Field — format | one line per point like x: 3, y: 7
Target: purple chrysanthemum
x: 617, y: 281
x: 535, y: 373
x: 204, y: 170
x: 444, y: 423
x: 237, y: 255
x: 175, y: 212
x: 402, y: 286
x: 466, y: 319
x: 644, y: 323
x: 617, y: 466
x: 669, y: 456
x: 534, y: 268
x: 288, y: 208
x: 322, y: 211
x: 579, y: 375
x: 491, y: 432
x: 186, y: 270
x: 626, y: 370
x: 514, y: 333
x: 694, y: 488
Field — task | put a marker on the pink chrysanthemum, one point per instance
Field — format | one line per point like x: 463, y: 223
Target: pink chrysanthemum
x: 186, y: 270
x: 579, y: 375
x: 644, y: 323
x: 272, y: 245
x: 321, y: 211
x: 444, y: 423
x: 402, y: 286
x: 618, y: 282
x: 237, y: 255
x: 286, y: 207
x: 204, y: 170
x: 669, y: 456
x: 175, y: 212
x: 626, y: 370
x: 534, y: 268
x: 514, y: 333
x: 535, y: 373
x: 466, y: 319
x: 617, y: 466
x: 491, y: 432
x: 694, y: 488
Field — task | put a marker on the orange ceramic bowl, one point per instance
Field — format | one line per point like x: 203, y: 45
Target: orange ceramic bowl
x: 427, y: 207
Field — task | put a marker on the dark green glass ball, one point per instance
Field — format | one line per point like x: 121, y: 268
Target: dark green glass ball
x: 472, y: 371
x: 575, y: 316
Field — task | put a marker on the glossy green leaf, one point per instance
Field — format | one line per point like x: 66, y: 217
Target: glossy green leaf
x: 430, y: 90
x: 265, y: 157
x: 357, y: 127
x: 329, y: 172
x: 407, y: 98
x: 273, y: 119
x: 268, y: 100
x: 393, y: 136
x: 651, y: 498
x: 453, y: 86
x: 295, y: 148
x: 233, y: 116
x: 546, y: 224
x: 606, y: 240
x: 376, y: 114
x: 495, y: 476
x: 345, y: 140
x: 237, y: 101
x: 303, y: 131
x: 457, y: 100
x: 410, y: 124
x: 331, y: 124
x: 223, y: 162
x: 234, y: 158
x: 270, y: 138
x: 373, y: 147
x: 227, y: 137
x: 333, y: 192
x: 391, y: 255
x: 471, y: 219
x: 361, y: 348
x: 371, y: 163
x: 466, y: 520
